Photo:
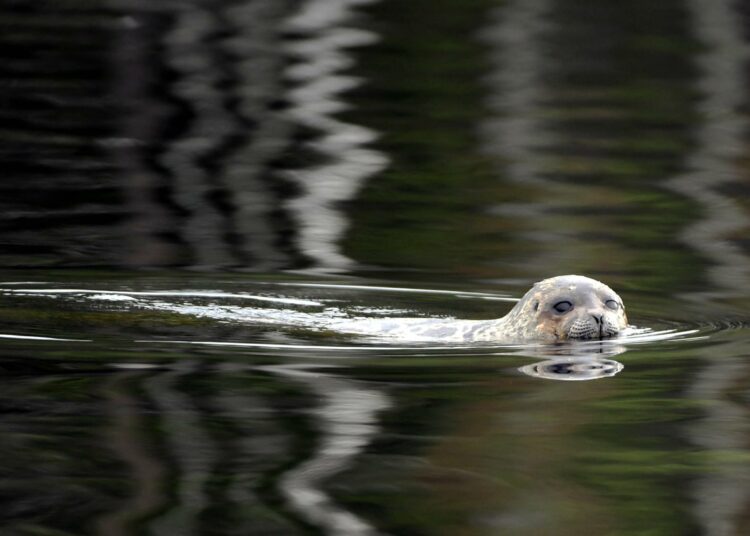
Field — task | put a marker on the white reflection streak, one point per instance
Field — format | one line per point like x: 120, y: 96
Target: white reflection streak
x: 721, y: 497
x: 188, y: 54
x: 719, y: 146
x: 322, y: 57
x: 515, y: 134
x: 255, y: 44
x: 514, y: 131
x: 123, y: 295
x: 347, y: 421
x: 35, y: 338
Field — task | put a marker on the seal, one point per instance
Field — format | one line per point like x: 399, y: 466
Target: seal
x: 567, y: 307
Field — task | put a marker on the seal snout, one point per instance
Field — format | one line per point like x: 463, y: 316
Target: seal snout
x: 598, y: 319
x: 594, y: 325
x: 584, y: 328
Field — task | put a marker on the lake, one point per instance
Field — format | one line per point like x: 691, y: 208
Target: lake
x: 195, y: 192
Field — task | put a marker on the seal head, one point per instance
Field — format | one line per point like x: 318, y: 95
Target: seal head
x: 567, y: 307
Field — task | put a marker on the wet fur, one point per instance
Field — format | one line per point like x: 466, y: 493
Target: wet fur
x: 532, y: 319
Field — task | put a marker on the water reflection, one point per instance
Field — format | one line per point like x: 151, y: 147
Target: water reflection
x: 248, y: 165
x: 143, y: 236
x: 323, y: 36
x: 583, y: 361
x: 713, y: 167
x: 520, y: 134
x: 573, y: 369
x: 721, y: 496
x: 203, y: 190
x: 193, y: 454
x: 207, y: 134
x: 256, y: 134
x: 713, y: 173
x: 193, y: 157
x: 346, y: 420
x: 147, y: 470
x: 586, y: 135
x: 172, y: 483
x: 515, y: 131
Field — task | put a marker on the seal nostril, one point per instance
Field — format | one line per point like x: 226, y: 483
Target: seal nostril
x: 597, y: 319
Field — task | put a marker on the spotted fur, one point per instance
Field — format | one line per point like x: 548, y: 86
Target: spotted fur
x: 534, y: 317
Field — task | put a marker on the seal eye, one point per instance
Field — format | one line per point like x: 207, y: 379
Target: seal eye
x: 563, y: 306
x: 612, y: 304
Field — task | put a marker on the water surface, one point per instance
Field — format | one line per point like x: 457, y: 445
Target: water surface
x: 194, y: 193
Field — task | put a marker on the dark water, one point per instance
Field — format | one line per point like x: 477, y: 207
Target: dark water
x: 192, y: 191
